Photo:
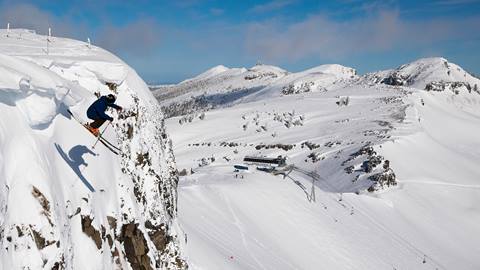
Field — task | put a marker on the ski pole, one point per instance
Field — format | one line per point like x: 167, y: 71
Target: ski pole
x: 98, y: 139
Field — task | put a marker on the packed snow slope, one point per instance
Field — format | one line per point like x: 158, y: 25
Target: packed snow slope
x: 63, y: 203
x: 384, y: 173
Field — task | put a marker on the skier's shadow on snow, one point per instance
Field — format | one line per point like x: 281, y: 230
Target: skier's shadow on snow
x: 75, y: 159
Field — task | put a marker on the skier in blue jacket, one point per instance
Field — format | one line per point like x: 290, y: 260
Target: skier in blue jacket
x: 96, y: 112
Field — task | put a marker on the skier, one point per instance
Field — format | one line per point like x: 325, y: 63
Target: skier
x: 96, y: 112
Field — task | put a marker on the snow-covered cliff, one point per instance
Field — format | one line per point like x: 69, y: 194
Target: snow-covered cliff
x: 63, y: 203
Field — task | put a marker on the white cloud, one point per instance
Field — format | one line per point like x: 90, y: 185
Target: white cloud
x: 31, y: 17
x: 455, y: 2
x: 322, y: 37
x: 271, y: 6
x: 138, y: 38
x: 217, y: 11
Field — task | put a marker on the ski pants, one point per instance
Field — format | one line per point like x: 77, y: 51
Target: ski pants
x: 97, y: 123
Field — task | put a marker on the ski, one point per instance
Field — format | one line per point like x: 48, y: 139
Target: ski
x: 113, y: 149
x: 104, y: 141
x: 109, y: 143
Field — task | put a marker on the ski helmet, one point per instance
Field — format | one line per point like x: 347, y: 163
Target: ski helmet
x: 111, y: 98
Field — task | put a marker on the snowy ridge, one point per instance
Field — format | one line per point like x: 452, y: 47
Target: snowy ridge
x: 224, y: 87
x: 420, y: 73
x: 378, y: 180
x: 221, y: 86
x: 63, y: 204
x: 316, y: 79
x: 215, y: 71
x: 220, y: 80
x: 219, y: 89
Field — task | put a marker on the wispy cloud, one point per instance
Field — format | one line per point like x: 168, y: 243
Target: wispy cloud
x: 187, y: 3
x: 138, y: 38
x: 377, y: 5
x: 135, y: 38
x: 217, y: 11
x: 31, y: 17
x: 455, y: 2
x: 272, y: 6
x: 322, y: 37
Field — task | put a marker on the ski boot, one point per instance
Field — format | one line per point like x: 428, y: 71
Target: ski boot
x: 94, y: 131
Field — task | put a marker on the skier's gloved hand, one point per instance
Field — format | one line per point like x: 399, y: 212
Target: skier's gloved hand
x: 119, y: 109
x: 110, y: 119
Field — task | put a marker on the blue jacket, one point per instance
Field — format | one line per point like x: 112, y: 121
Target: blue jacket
x: 98, y: 108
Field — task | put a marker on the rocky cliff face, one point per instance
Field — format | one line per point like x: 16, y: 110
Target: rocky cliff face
x: 148, y: 160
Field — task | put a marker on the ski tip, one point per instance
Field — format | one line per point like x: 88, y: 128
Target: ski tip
x: 71, y: 113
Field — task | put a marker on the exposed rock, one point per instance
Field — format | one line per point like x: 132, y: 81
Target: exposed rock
x: 149, y: 163
x: 454, y: 87
x: 43, y: 202
x: 90, y: 231
x: 349, y: 169
x: 19, y: 231
x: 136, y: 247
x: 395, y: 79
x: 331, y: 144
x: 284, y: 147
x: 371, y: 163
x: 182, y: 172
x: 315, y: 157
x: 143, y: 159
x: 112, y: 222
x: 310, y: 145
x: 343, y: 101
x: 40, y: 241
x: 382, y: 177
x: 60, y: 265
x: 158, y: 235
x: 386, y: 164
x: 259, y: 75
x: 383, y: 180
x: 112, y: 86
x: 129, y: 132
x: 41, y: 199
x: 293, y: 89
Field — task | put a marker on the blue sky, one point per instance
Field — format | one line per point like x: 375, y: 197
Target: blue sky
x: 168, y: 41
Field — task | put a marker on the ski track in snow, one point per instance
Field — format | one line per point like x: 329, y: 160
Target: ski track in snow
x: 427, y: 182
x: 239, y: 226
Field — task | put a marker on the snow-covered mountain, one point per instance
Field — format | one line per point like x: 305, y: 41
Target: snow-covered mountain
x: 216, y: 86
x: 63, y: 203
x: 221, y: 86
x: 315, y: 79
x: 383, y: 175
x: 429, y: 74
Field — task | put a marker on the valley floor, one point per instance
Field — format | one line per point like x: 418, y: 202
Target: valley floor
x: 255, y: 220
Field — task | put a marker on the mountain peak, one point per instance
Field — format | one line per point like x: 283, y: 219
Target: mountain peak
x: 424, y: 71
x: 332, y: 69
x: 267, y: 68
x: 211, y: 72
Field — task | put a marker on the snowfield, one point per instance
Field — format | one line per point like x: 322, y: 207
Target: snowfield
x: 384, y: 175
x: 63, y: 203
